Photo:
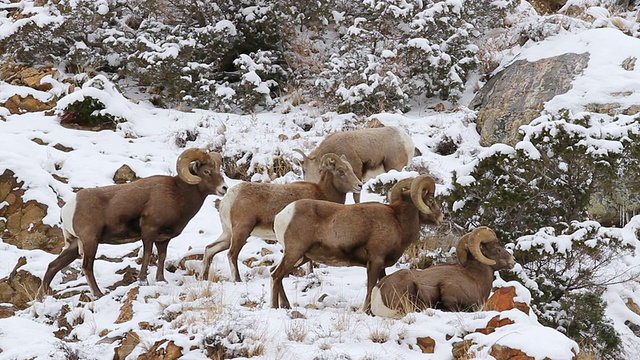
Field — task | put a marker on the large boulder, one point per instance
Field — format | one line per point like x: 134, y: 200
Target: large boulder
x: 18, y: 289
x: 21, y: 221
x: 517, y: 94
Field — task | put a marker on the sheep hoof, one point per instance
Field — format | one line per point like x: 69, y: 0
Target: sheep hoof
x: 144, y: 282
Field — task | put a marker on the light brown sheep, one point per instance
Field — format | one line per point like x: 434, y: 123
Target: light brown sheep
x: 249, y: 208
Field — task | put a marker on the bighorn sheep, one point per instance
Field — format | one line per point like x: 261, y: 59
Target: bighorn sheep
x: 449, y: 287
x: 370, y: 152
x: 249, y: 208
x: 154, y: 209
x: 368, y: 234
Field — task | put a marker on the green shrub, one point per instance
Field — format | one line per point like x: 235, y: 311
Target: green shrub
x: 544, y: 186
x: 86, y: 112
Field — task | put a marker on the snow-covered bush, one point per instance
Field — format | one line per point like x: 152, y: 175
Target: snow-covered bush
x: 390, y: 51
x: 543, y: 186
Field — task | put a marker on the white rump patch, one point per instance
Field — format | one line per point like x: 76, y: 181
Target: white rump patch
x: 378, y: 307
x: 282, y: 220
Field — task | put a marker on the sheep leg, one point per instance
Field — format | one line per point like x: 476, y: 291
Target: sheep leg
x: 65, y: 258
x: 239, y: 238
x: 288, y: 262
x: 223, y: 243
x: 374, y: 269
x: 89, y: 250
x: 147, y: 247
x: 162, y: 256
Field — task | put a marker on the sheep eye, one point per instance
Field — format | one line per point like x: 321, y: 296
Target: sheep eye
x: 207, y: 172
x: 341, y: 172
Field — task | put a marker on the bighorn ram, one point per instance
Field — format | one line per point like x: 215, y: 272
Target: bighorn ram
x: 154, y: 209
x: 249, y: 208
x: 449, y: 287
x: 368, y: 234
x: 370, y: 152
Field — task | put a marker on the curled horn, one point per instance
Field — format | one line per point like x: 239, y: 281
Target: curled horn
x: 419, y: 184
x: 398, y: 188
x: 184, y: 161
x: 215, y: 159
x: 471, y: 243
x: 330, y: 159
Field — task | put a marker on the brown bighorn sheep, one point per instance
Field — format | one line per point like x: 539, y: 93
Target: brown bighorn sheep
x: 249, y: 208
x: 154, y: 209
x: 368, y: 234
x: 370, y: 152
x: 450, y: 287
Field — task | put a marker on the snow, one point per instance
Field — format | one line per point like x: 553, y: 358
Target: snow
x: 332, y: 327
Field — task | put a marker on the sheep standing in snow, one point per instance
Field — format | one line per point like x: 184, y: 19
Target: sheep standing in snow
x: 154, y: 209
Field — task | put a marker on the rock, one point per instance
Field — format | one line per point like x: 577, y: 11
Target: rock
x: 501, y: 352
x: 493, y: 324
x: 17, y: 104
x: 460, y: 349
x: 23, y: 226
x: 20, y: 287
x: 127, y: 344
x: 126, y: 310
x: 160, y: 351
x: 124, y: 175
x: 427, y: 345
x: 503, y: 107
x: 503, y: 299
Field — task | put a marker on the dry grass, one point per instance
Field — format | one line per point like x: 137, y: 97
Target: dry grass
x: 296, y: 330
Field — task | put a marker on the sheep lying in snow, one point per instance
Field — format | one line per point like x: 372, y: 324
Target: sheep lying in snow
x: 154, y: 209
x: 368, y: 234
x: 464, y: 286
x: 370, y: 152
x: 249, y: 208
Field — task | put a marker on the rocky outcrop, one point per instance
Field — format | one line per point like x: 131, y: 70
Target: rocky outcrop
x: 504, y: 107
x: 21, y: 222
x: 18, y: 289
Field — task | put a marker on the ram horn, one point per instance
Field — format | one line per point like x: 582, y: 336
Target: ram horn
x: 481, y: 235
x: 330, y: 157
x: 215, y: 159
x: 398, y: 188
x: 183, y: 165
x: 419, y: 184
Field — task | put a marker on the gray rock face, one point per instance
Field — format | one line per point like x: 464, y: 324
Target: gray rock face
x: 517, y: 94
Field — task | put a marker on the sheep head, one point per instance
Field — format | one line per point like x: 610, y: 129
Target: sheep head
x: 422, y: 190
x: 310, y: 166
x: 198, y: 167
x: 344, y: 179
x: 483, y: 244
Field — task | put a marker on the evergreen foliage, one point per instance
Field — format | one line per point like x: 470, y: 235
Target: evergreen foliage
x: 361, y: 56
x: 546, y: 183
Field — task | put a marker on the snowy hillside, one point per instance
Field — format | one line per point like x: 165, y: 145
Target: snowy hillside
x: 200, y: 319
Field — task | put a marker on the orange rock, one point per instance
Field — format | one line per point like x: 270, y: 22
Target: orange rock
x: 494, y: 323
x: 503, y: 299
x: 427, y: 345
x: 506, y: 353
x: 16, y: 104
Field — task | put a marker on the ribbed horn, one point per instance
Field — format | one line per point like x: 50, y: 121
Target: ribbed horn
x: 184, y: 161
x: 419, y: 184
x: 397, y: 189
x: 478, y: 236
